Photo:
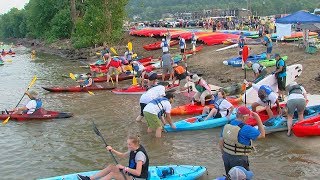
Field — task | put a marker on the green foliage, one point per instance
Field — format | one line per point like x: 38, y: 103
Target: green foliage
x: 12, y: 24
x: 60, y: 26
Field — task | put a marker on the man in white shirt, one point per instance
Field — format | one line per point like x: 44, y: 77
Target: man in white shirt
x: 165, y: 46
x: 183, y: 46
x: 33, y: 105
x: 259, y: 71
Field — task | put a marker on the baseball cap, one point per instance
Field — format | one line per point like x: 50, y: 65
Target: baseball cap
x: 244, y: 110
x: 277, y: 55
x: 240, y: 173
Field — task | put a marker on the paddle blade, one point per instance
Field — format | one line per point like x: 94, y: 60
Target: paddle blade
x: 95, y: 129
x: 134, y: 81
x: 91, y: 93
x: 72, y: 76
x: 114, y: 51
x: 6, y: 121
x: 32, y: 81
x: 130, y: 46
x: 245, y: 53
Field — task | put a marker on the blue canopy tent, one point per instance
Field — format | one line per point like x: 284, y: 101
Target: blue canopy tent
x: 300, y: 17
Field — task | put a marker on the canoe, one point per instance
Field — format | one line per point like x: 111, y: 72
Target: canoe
x: 308, y: 127
x: 77, y: 88
x: 178, y: 172
x: 157, y: 45
x: 40, y: 114
x: 197, y: 123
x: 7, y: 53
x: 199, y: 48
x: 136, y: 89
x: 271, y: 62
x: 237, y: 61
x: 196, y: 109
x: 280, y: 123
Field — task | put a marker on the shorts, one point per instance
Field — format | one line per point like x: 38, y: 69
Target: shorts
x: 296, y: 104
x: 182, y: 51
x: 153, y: 77
x: 113, y: 70
x: 281, y: 83
x: 167, y: 69
x: 231, y: 161
x: 269, y: 50
x: 153, y: 120
x: 142, y: 105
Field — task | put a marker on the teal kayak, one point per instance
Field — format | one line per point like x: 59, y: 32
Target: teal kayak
x: 197, y: 123
x: 279, y: 123
x: 170, y: 172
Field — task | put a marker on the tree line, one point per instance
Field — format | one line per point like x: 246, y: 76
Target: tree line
x: 85, y: 22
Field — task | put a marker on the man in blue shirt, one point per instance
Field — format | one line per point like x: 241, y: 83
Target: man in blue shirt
x: 281, y: 75
x: 267, y: 42
x: 236, y: 137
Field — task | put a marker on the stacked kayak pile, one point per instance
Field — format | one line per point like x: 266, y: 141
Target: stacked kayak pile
x: 295, y: 36
x: 169, y: 172
x: 217, y: 38
x: 156, y: 45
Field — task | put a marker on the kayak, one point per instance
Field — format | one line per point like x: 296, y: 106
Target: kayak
x: 196, y: 108
x: 263, y: 115
x: 280, y: 123
x: 271, y: 62
x: 308, y: 127
x: 169, y: 172
x: 237, y: 61
x: 122, y: 77
x: 157, y: 65
x: 77, y: 88
x: 157, y: 45
x: 39, y: 114
x: 7, y: 53
x: 136, y: 89
x: 197, y: 123
x: 199, y: 48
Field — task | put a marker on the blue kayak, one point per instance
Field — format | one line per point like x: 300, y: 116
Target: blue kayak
x: 280, y: 123
x: 237, y: 61
x: 197, y: 123
x: 170, y: 172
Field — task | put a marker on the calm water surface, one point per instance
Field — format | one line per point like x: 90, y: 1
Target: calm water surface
x: 38, y: 149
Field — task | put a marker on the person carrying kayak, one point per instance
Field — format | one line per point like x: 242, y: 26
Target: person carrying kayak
x: 166, y: 63
x: 236, y: 139
x: 86, y: 82
x: 164, y: 45
x: 183, y: 46
x: 281, y: 75
x: 180, y: 73
x: 154, y: 112
x: 237, y: 172
x: 222, y: 107
x: 194, y: 42
x: 203, y: 89
x: 138, y: 163
x: 267, y: 42
x: 267, y: 98
x: 34, y: 104
x: 155, y: 92
x: 297, y: 100
x: 259, y: 71
x: 114, y: 65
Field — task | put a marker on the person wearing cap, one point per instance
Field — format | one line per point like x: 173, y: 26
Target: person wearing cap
x: 154, y: 112
x: 181, y: 74
x: 237, y: 173
x: 281, y: 75
x: 34, y: 104
x: 267, y: 98
x: 259, y: 71
x: 151, y: 94
x: 183, y: 46
x: 166, y: 63
x: 203, y: 89
x: 236, y: 139
x: 151, y: 76
x: 86, y: 82
x: 297, y: 100
x: 194, y: 42
x: 267, y: 42
x: 164, y: 45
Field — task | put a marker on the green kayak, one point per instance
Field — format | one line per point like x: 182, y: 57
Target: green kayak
x: 269, y: 62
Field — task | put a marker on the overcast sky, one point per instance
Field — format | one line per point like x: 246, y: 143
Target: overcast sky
x: 6, y: 5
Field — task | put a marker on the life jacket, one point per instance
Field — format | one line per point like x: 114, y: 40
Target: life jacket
x: 241, y: 42
x: 181, y: 43
x: 181, y: 73
x: 231, y: 144
x: 39, y: 104
x: 136, y: 66
x: 133, y: 164
x: 284, y: 69
x: 115, y: 62
x: 295, y: 89
x: 266, y: 88
x: 261, y: 68
x: 159, y: 104
x: 128, y: 55
x: 268, y: 91
x: 193, y: 39
x: 200, y: 88
x: 86, y: 82
x: 165, y: 44
x: 217, y: 104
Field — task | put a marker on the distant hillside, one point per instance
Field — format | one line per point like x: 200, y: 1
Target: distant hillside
x: 153, y: 9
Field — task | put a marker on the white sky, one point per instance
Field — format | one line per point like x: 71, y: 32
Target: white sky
x: 6, y: 5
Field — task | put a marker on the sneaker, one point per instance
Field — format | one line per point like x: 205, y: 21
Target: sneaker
x: 80, y: 177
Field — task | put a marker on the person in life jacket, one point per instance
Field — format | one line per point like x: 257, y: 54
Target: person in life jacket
x: 3, y: 52
x: 281, y: 75
x: 181, y: 74
x: 151, y: 94
x: 222, y: 107
x: 297, y: 100
x: 10, y: 51
x: 203, y: 89
x: 183, y: 46
x: 267, y: 42
x: 236, y: 139
x: 87, y: 82
x: 128, y: 54
x: 241, y: 41
x: 154, y: 112
x: 1, y: 59
x: 138, y: 166
x: 34, y: 104
x: 164, y: 45
x: 259, y: 71
x: 166, y: 63
x: 115, y: 67
x: 194, y: 42
x: 267, y: 98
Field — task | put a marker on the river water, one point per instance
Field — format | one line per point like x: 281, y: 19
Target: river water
x: 38, y: 149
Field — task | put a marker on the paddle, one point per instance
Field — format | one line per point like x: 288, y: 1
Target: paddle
x: 245, y: 53
x: 72, y: 76
x: 96, y: 130
x: 114, y: 51
x: 30, y: 84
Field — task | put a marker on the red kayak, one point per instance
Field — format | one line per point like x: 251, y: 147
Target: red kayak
x: 199, y: 48
x: 307, y: 127
x: 136, y: 89
x: 156, y: 45
x: 122, y: 77
x: 77, y: 88
x: 263, y: 115
x: 197, y: 109
x: 7, y: 53
x: 40, y: 114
